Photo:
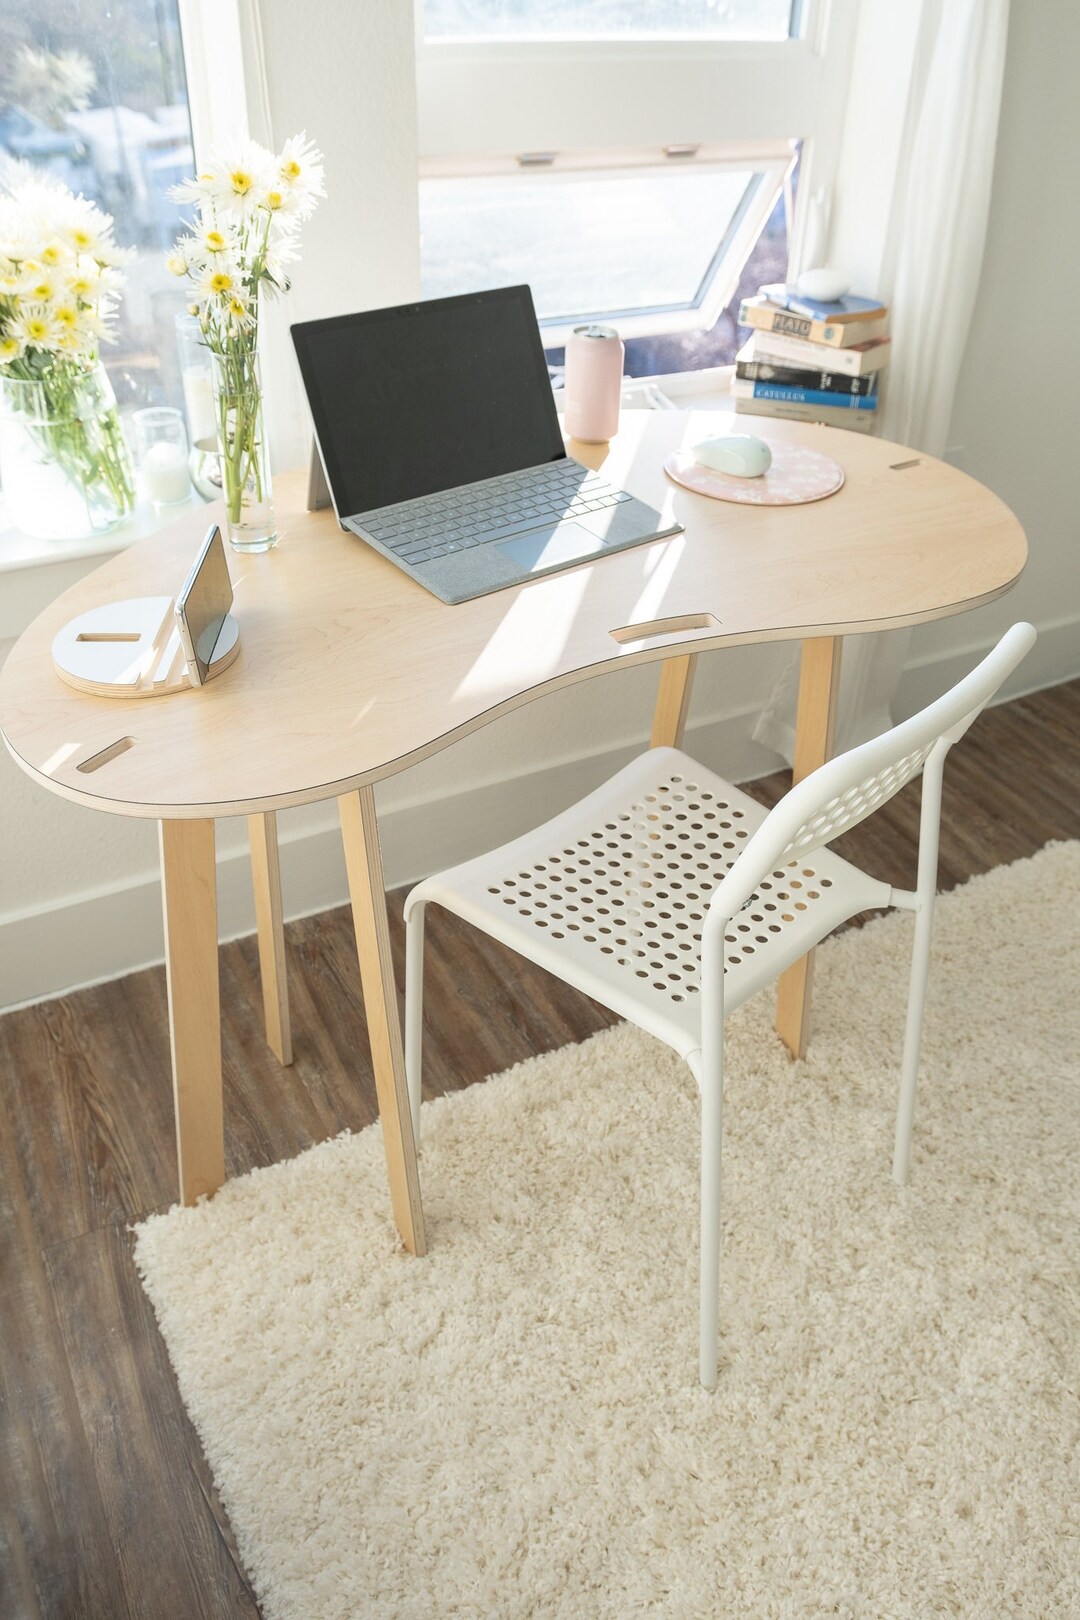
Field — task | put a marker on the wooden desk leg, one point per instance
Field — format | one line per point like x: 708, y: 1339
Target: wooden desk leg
x: 363, y: 860
x: 189, y: 895
x: 266, y: 880
x: 673, y: 701
x: 819, y: 683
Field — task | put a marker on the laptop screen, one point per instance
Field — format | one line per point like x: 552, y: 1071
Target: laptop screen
x: 426, y: 396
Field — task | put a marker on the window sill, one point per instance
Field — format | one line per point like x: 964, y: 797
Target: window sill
x: 18, y: 550
x: 35, y: 571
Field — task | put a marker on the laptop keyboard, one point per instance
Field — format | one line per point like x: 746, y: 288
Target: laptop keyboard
x: 457, y: 519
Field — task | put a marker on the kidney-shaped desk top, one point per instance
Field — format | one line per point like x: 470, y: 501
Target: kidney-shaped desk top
x: 349, y: 671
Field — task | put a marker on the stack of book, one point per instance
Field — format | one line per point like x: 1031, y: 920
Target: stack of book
x: 811, y: 360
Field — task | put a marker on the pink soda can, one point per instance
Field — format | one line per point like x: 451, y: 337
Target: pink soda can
x: 594, y: 368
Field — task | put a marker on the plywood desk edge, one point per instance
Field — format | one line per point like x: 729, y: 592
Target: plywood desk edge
x: 392, y: 767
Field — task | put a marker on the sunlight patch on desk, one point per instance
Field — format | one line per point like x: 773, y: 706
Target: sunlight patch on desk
x: 527, y: 645
x: 61, y: 757
x: 662, y: 568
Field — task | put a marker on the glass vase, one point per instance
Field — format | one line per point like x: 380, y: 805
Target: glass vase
x: 64, y: 464
x: 243, y: 447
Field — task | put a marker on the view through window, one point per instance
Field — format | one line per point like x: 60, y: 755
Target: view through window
x: 93, y: 93
x: 716, y: 345
x: 610, y: 19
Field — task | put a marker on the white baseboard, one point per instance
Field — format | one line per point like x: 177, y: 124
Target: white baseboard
x: 1054, y: 659
x: 101, y: 934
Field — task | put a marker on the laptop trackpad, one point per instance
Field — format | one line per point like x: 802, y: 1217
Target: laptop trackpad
x: 551, y: 548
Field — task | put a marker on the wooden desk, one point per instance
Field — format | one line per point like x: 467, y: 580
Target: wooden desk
x: 349, y: 672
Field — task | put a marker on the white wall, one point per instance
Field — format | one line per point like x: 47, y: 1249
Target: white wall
x: 78, y: 890
x: 1016, y: 423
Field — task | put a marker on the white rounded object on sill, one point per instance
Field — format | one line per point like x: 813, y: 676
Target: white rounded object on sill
x: 164, y: 474
x: 828, y: 285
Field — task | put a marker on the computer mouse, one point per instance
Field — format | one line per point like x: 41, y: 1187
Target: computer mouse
x: 827, y: 285
x: 737, y: 453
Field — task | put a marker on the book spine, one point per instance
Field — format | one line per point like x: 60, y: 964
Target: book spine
x: 830, y: 382
x: 858, y: 421
x: 768, y: 318
x: 807, y: 396
x: 770, y: 346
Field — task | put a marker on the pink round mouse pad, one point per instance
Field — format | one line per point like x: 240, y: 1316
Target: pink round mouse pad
x: 796, y: 475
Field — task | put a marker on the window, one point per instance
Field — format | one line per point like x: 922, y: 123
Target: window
x: 93, y: 93
x: 630, y: 161
x: 595, y: 242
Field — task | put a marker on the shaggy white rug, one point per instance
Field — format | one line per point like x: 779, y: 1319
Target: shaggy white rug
x: 513, y: 1426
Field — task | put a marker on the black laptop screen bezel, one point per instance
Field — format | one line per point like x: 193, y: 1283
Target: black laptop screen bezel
x: 329, y: 434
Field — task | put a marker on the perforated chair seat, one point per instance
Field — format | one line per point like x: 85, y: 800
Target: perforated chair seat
x: 612, y: 895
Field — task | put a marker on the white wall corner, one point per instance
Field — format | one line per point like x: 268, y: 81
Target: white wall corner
x: 882, y: 92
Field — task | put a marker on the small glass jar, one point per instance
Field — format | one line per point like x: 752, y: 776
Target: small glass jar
x: 162, y: 450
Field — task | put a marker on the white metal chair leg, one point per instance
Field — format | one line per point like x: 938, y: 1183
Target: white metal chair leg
x: 909, y: 1069
x: 712, y: 1129
x: 414, y: 1010
x: 929, y: 834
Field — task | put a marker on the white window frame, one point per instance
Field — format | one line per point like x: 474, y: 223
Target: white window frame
x: 492, y: 102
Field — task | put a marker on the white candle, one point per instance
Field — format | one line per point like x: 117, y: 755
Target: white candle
x: 199, y: 403
x: 165, y: 474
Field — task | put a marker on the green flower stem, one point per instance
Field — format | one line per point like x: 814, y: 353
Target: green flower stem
x: 239, y: 424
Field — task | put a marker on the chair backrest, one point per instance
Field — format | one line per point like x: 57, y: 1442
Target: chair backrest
x: 845, y: 790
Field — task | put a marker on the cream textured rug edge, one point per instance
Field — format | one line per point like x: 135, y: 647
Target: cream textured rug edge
x: 512, y: 1427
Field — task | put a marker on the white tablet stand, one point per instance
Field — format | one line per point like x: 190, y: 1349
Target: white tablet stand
x: 132, y: 649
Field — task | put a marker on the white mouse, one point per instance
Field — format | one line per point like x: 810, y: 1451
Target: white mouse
x: 826, y: 285
x: 737, y: 453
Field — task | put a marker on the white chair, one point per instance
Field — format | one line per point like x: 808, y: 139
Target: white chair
x: 670, y: 896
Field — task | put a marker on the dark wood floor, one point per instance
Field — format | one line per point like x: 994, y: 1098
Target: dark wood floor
x: 106, y: 1505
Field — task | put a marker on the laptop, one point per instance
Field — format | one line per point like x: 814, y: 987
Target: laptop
x: 437, y: 431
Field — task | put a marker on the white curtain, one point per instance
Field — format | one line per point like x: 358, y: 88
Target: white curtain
x: 936, y: 236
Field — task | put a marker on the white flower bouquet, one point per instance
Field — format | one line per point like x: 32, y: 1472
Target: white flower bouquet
x: 59, y: 286
x: 249, y: 207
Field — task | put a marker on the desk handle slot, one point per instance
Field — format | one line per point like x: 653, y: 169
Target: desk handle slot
x: 657, y: 629
x: 105, y: 755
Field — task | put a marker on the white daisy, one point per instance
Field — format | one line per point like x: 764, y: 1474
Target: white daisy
x: 300, y: 171
x: 33, y: 328
x: 219, y: 281
x: 198, y: 191
x: 54, y: 253
x: 241, y: 176
x: 241, y: 317
x: 213, y: 242
x: 38, y: 285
